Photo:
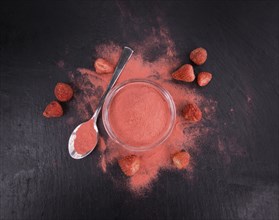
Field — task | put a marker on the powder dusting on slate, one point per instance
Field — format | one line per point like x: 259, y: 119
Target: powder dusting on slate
x: 185, y: 136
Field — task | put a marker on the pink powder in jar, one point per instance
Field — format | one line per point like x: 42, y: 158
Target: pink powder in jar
x: 139, y: 115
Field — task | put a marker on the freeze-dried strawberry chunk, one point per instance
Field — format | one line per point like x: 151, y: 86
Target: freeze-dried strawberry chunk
x: 184, y: 73
x: 53, y: 110
x: 129, y: 165
x: 204, y: 78
x: 103, y: 66
x: 192, y: 113
x: 198, y: 56
x: 181, y: 159
x: 63, y: 92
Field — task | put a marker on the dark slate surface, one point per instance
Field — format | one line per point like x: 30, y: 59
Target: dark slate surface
x: 40, y: 181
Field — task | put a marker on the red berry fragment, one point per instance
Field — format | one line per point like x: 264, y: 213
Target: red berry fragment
x: 129, y: 165
x: 184, y: 73
x: 181, y: 159
x: 204, y: 78
x: 192, y: 113
x: 103, y: 67
x: 198, y: 56
x: 53, y: 110
x: 63, y: 92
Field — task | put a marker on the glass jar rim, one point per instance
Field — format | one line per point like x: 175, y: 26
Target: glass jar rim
x: 166, y: 95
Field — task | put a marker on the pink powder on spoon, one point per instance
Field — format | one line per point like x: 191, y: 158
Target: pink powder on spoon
x: 86, y: 138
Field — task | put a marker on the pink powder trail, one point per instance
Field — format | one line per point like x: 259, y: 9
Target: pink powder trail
x: 185, y: 136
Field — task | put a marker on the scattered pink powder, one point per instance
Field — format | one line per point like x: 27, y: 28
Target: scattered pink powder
x: 61, y: 64
x: 185, y: 136
x: 70, y: 120
x: 103, y: 164
x: 102, y: 145
x: 249, y: 99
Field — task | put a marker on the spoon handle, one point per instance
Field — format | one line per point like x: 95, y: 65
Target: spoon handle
x: 125, y: 56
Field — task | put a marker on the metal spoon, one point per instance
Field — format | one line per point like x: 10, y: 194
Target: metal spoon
x: 125, y: 56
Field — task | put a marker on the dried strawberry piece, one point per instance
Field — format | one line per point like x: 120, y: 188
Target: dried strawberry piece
x: 103, y: 67
x: 204, y: 78
x: 184, y: 73
x: 192, y: 113
x: 53, y: 110
x: 63, y: 92
x: 181, y: 159
x: 129, y: 165
x: 198, y: 56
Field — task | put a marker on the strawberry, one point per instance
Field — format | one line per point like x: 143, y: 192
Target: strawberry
x: 184, y: 73
x: 198, y: 56
x: 129, y: 165
x: 103, y: 66
x: 53, y: 110
x: 181, y: 159
x: 204, y: 78
x: 192, y: 113
x: 63, y: 92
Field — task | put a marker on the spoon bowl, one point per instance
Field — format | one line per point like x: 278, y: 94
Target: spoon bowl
x: 71, y: 146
